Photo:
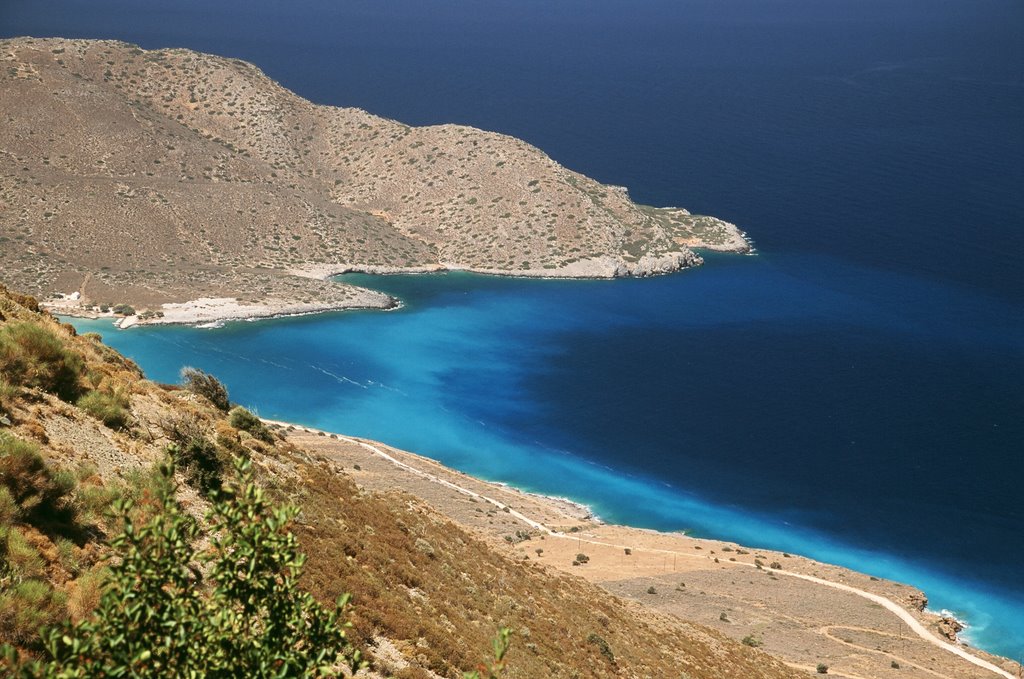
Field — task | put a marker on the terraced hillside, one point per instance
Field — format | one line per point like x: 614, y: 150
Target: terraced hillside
x: 156, y: 176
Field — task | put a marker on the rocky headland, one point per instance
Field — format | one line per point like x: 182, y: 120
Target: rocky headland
x: 145, y: 178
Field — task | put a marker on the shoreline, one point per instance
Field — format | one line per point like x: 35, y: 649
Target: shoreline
x: 584, y: 514
x: 214, y: 311
x: 567, y: 521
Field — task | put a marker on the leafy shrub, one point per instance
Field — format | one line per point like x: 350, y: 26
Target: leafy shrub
x: 822, y: 668
x: 124, y: 310
x: 240, y: 418
x: 206, y: 385
x: 202, y: 463
x: 154, y: 619
x: 751, y: 641
x: 33, y: 356
x: 110, y: 409
x: 500, y: 645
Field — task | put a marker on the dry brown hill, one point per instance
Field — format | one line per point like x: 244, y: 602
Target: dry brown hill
x: 152, y: 176
x: 429, y: 595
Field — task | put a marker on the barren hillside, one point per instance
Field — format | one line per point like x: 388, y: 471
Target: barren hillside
x: 156, y: 176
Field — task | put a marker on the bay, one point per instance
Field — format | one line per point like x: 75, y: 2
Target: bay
x: 852, y: 393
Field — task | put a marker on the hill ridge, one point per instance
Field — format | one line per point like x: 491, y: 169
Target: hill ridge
x: 157, y: 176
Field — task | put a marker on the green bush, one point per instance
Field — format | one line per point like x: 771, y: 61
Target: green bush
x: 28, y: 606
x: 8, y: 392
x: 43, y: 496
x: 202, y: 463
x: 9, y: 509
x: 206, y: 385
x: 602, y: 645
x: 155, y: 619
x: 33, y: 356
x: 240, y: 418
x: 109, y: 409
x: 20, y: 559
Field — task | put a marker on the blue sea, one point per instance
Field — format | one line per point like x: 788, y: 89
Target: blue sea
x: 854, y: 392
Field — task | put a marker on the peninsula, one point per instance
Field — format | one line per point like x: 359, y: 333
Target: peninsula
x: 143, y: 178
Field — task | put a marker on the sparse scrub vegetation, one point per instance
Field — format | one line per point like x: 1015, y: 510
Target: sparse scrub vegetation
x: 242, y: 419
x: 202, y: 462
x: 335, y: 185
x: 206, y: 385
x: 32, y: 355
x: 110, y: 409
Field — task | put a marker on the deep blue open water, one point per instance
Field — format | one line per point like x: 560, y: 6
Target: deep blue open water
x: 853, y: 393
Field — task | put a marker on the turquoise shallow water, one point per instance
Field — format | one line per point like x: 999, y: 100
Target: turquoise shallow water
x: 854, y: 393
x: 748, y: 400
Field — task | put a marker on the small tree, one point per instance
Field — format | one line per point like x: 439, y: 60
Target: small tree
x: 159, y: 617
x: 205, y: 384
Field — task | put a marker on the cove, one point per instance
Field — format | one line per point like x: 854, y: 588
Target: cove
x: 789, y: 402
x: 853, y: 393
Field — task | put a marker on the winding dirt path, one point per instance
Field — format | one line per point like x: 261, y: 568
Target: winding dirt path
x: 829, y: 631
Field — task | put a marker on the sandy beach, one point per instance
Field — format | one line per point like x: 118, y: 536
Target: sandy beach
x: 216, y: 310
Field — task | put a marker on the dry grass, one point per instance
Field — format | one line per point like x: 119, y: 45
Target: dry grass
x: 420, y: 579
